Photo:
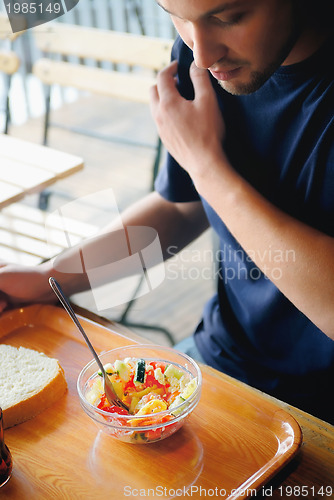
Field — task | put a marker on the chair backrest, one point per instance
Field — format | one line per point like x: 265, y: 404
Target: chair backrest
x: 9, y: 62
x: 6, y: 30
x: 146, y: 55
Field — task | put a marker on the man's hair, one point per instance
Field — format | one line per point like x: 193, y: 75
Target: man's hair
x: 317, y: 11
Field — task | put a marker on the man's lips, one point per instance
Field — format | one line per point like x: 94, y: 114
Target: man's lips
x: 225, y: 75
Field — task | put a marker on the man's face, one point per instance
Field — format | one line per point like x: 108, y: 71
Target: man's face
x: 241, y: 42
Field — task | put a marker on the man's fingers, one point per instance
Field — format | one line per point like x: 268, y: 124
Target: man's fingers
x: 169, y: 71
x: 200, y: 79
x: 165, y: 91
x: 166, y: 85
x: 154, y: 101
x: 154, y: 94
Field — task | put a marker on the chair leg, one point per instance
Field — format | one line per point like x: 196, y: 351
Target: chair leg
x: 131, y: 302
x: 43, y: 199
x: 156, y: 163
x: 157, y: 328
x: 124, y: 321
x: 7, y: 107
x: 47, y: 114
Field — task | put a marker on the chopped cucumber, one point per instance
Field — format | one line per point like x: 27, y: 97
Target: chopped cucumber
x: 139, y: 437
x: 178, y: 401
x: 189, y: 389
x: 108, y: 368
x: 122, y: 370
x: 172, y: 371
x: 140, y: 371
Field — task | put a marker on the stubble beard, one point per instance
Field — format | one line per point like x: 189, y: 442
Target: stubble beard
x: 258, y: 78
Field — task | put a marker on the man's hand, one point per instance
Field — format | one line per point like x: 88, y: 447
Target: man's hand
x: 192, y: 131
x: 22, y: 285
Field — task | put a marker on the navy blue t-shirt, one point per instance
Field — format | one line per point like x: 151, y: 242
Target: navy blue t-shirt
x: 280, y: 138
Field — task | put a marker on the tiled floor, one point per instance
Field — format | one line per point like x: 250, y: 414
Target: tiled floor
x: 177, y: 303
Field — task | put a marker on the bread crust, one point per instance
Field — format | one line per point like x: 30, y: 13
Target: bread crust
x: 36, y: 403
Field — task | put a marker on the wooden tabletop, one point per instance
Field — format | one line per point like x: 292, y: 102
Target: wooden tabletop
x: 233, y: 431
x: 28, y: 168
x: 311, y: 473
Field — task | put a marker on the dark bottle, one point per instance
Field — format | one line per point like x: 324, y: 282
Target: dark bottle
x: 6, y: 463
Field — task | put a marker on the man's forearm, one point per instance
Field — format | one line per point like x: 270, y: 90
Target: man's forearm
x: 173, y: 224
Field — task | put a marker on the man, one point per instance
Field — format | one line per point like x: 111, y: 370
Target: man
x: 249, y: 127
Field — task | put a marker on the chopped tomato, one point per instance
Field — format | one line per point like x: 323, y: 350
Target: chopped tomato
x: 152, y: 420
x: 130, y: 384
x: 150, y: 381
x: 158, y: 364
x: 153, y: 435
x: 105, y: 406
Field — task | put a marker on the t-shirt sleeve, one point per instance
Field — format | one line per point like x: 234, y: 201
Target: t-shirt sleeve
x: 173, y: 182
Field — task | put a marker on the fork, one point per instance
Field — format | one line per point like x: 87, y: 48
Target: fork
x: 111, y: 396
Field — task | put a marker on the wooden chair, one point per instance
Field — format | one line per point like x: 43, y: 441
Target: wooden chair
x: 9, y: 62
x: 133, y: 63
x: 6, y: 30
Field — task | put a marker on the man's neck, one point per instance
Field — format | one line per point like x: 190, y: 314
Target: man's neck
x: 310, y: 40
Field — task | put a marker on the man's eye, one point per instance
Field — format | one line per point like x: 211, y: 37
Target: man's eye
x: 227, y: 22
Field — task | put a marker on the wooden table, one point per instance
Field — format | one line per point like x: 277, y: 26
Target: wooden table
x: 27, y: 168
x: 311, y: 471
x: 61, y: 455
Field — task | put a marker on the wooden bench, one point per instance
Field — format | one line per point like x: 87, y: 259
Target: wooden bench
x: 6, y: 32
x: 29, y: 236
x: 118, y: 65
x: 9, y: 62
x: 136, y: 51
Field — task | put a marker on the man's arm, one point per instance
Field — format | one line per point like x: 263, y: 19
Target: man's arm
x: 193, y: 132
x: 177, y: 224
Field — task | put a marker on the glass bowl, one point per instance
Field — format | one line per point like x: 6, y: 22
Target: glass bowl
x: 132, y: 428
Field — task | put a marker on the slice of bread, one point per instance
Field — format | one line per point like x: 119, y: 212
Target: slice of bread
x: 30, y: 382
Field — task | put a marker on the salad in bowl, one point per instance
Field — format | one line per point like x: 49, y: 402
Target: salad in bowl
x: 159, y: 385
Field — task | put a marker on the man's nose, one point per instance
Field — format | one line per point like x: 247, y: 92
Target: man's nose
x: 207, y: 49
